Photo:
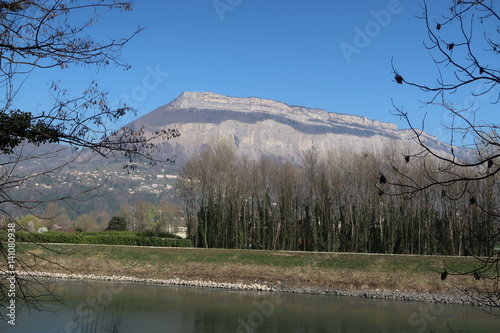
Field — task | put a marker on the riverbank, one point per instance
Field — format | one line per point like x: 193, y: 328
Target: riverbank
x: 392, y: 277
x: 398, y: 295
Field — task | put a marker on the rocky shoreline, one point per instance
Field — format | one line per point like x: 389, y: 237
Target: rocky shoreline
x: 399, y: 295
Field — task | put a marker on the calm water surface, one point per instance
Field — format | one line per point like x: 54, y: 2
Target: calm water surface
x: 151, y: 308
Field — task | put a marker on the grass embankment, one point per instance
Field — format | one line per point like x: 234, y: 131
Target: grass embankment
x: 331, y: 270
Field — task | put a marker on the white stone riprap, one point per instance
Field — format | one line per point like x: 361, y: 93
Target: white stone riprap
x: 400, y: 295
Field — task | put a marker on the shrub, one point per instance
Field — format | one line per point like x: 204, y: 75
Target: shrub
x: 102, y: 237
x: 117, y: 223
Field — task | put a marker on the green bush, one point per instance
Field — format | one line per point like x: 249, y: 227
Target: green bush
x: 117, y: 223
x: 104, y: 237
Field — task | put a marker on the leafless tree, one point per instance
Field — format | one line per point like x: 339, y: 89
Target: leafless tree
x: 464, y: 44
x: 37, y: 35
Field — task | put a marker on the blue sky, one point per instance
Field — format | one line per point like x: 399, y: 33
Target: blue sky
x: 295, y: 51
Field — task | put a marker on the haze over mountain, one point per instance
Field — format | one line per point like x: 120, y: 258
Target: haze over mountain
x: 262, y: 127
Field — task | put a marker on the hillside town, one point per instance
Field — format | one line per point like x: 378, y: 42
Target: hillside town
x: 156, y: 182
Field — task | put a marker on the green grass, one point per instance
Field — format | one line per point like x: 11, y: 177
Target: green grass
x: 345, y: 270
x: 341, y: 261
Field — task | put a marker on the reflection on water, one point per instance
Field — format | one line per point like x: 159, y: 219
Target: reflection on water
x: 149, y: 308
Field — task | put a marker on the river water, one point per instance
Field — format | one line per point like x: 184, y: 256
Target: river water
x: 153, y: 308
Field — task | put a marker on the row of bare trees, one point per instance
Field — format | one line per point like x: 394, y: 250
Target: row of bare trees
x: 139, y: 216
x: 336, y: 201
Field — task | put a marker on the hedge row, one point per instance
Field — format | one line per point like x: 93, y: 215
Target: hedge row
x: 105, y: 237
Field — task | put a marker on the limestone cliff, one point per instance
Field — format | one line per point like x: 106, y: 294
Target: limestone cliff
x: 265, y: 127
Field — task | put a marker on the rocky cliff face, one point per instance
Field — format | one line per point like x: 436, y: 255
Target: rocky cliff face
x: 212, y: 101
x: 265, y: 127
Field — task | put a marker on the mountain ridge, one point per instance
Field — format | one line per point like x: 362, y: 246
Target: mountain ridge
x: 263, y: 127
x: 209, y: 100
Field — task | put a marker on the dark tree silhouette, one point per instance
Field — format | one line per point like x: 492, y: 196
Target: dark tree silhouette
x: 37, y: 35
x: 464, y: 44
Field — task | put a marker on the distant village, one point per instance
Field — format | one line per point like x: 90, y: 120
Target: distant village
x: 154, y: 183
x: 136, y: 193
